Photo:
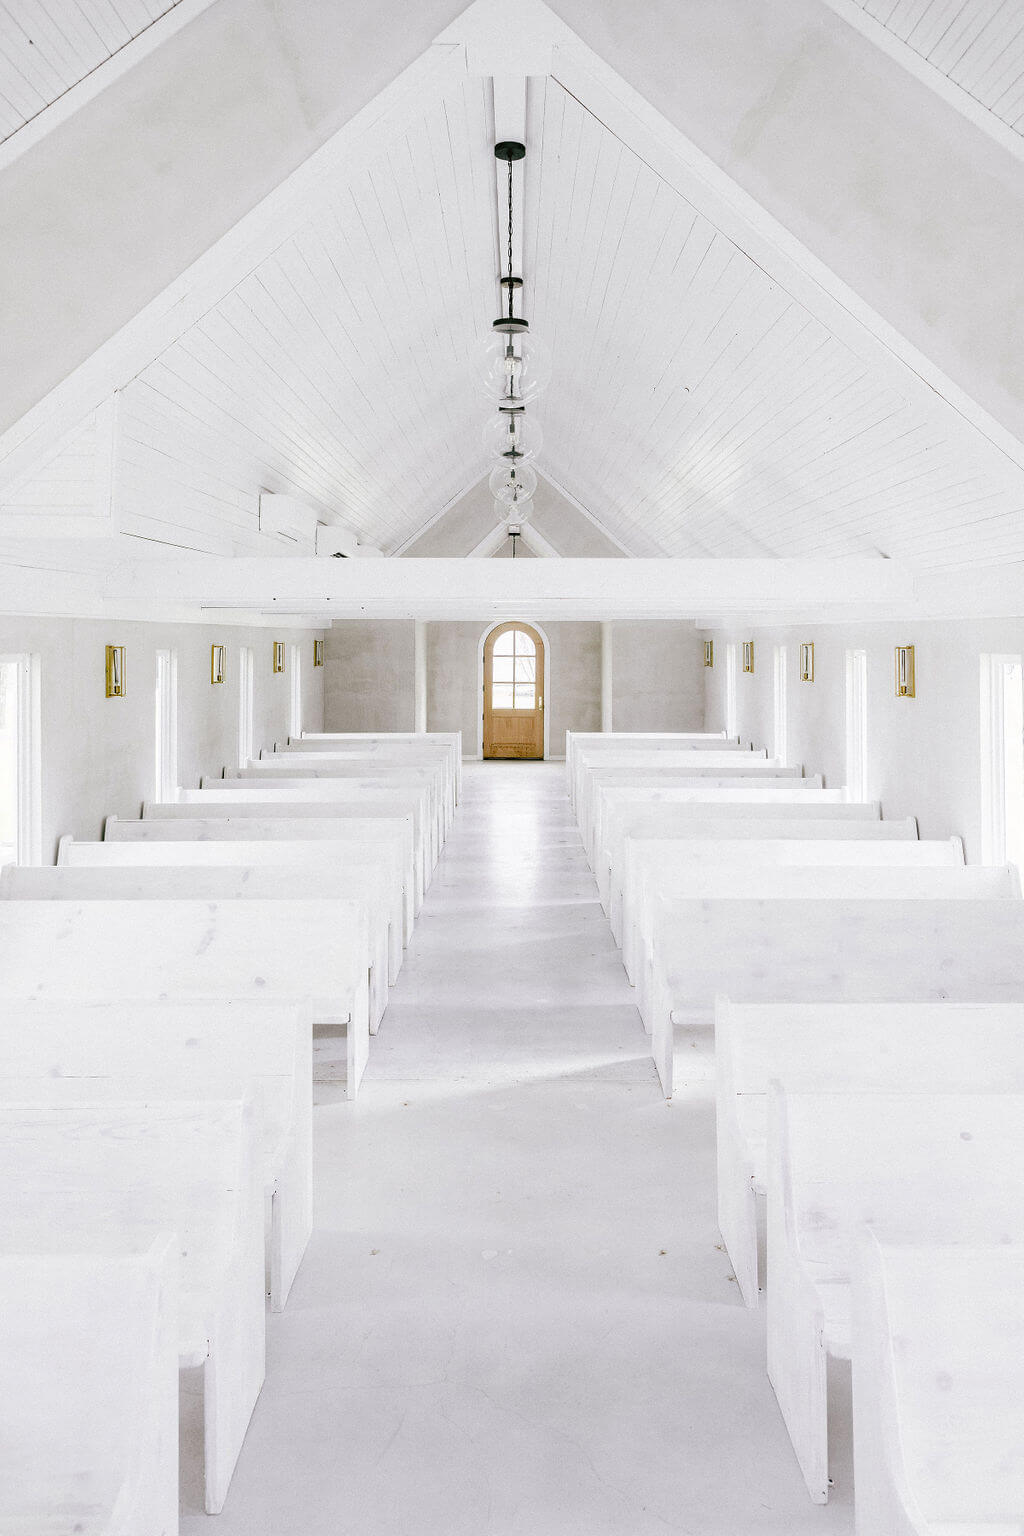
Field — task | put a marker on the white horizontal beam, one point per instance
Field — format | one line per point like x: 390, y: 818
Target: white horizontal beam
x: 442, y: 588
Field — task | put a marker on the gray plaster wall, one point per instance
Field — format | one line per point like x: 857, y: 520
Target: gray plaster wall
x: 573, y: 682
x: 98, y: 755
x: 370, y: 683
x: 657, y: 677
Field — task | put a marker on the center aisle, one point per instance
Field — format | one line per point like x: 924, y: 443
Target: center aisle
x: 514, y: 1317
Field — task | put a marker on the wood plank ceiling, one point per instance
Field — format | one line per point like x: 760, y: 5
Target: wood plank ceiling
x: 976, y: 44
x: 46, y: 49
x: 696, y: 408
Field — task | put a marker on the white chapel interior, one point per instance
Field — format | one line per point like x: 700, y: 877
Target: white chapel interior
x: 512, y: 768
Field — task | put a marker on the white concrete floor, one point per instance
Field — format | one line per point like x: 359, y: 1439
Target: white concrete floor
x: 515, y: 1317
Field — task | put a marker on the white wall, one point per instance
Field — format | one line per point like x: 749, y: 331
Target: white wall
x: 97, y: 754
x: 371, y: 681
x: 657, y: 682
x: 924, y: 753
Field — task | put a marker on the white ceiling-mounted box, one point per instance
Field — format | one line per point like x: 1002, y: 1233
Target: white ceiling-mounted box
x: 289, y: 520
x: 332, y: 539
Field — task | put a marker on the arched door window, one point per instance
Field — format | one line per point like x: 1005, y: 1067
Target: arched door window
x: 514, y: 692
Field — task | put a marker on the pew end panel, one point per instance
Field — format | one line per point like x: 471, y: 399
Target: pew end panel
x: 938, y: 1341
x: 89, y: 1418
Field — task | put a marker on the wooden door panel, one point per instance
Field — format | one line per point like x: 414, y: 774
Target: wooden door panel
x: 513, y: 733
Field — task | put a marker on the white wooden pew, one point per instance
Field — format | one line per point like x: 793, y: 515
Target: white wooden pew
x: 381, y: 742
x: 307, y: 783
x: 352, y: 762
x: 617, y: 741
x: 266, y: 803
x: 797, y: 950
x: 328, y: 863
x: 650, y: 866
x: 62, y: 1052
x: 89, y: 1409
x: 755, y: 775
x: 339, y: 837
x: 813, y: 882
x: 920, y: 1168
x: 632, y: 765
x: 659, y: 813
x: 839, y: 1047
x: 938, y: 1389
x: 190, y: 882
x: 92, y: 1170
x: 286, y: 951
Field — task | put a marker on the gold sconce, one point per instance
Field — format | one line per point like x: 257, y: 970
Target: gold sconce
x: 278, y: 655
x: 905, y: 685
x: 709, y: 653
x: 115, y: 671
x: 216, y: 663
x: 318, y: 653
x: 748, y: 655
x: 807, y: 662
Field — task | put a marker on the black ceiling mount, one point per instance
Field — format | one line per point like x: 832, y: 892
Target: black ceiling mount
x: 510, y: 150
x: 510, y: 282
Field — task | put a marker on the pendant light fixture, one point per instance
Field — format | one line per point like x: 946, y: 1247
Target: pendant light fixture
x: 513, y: 366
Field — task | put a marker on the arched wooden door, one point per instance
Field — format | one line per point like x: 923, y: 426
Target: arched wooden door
x: 514, y: 692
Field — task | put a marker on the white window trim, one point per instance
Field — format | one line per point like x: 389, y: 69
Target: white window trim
x: 246, y: 706
x: 731, y: 725
x: 856, y: 726
x: 993, y: 756
x: 166, y: 711
x: 780, y: 705
x: 29, y: 766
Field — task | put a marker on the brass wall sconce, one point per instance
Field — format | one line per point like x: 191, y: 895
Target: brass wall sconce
x: 216, y: 663
x: 807, y: 662
x: 709, y: 653
x: 278, y: 655
x: 318, y: 653
x: 905, y: 681
x: 748, y: 655
x: 115, y: 672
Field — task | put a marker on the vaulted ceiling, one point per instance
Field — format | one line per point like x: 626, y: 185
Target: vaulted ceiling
x: 717, y: 391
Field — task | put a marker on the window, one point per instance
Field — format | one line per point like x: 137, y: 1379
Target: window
x: 730, y: 690
x: 20, y: 797
x: 295, y: 693
x: 166, y: 757
x: 1002, y: 759
x: 514, y: 671
x: 857, y: 725
x: 780, y: 746
x: 246, y: 750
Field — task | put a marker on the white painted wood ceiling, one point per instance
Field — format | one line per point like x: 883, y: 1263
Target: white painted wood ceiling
x: 339, y: 369
x: 696, y: 407
x: 976, y: 44
x: 49, y: 46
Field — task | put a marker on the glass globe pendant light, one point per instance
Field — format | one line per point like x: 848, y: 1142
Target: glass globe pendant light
x: 512, y: 437
x: 513, y: 369
x: 512, y: 486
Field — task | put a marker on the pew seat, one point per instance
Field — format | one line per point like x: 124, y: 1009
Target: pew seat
x: 919, y: 1168
x: 839, y: 1047
x: 845, y: 950
x: 61, y: 1052
x: 86, y: 1173
x: 285, y: 951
